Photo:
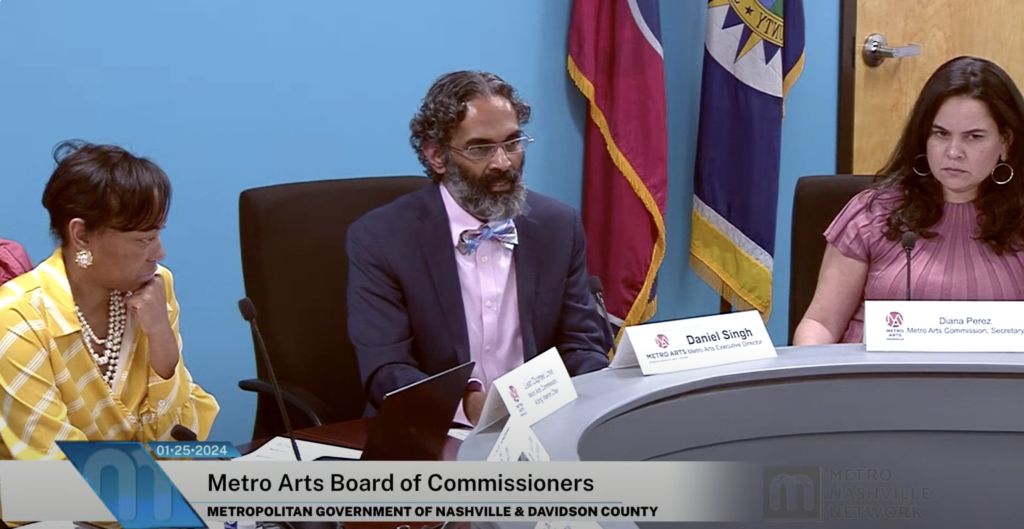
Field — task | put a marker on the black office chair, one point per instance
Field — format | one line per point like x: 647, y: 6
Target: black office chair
x: 816, y: 202
x: 295, y: 271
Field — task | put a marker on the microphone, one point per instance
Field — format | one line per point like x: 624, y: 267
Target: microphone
x: 909, y: 240
x: 248, y: 311
x: 181, y: 433
x: 598, y: 291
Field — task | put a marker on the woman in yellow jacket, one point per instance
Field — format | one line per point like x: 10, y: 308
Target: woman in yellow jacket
x: 89, y: 341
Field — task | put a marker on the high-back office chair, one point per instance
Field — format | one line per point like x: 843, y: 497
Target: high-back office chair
x: 295, y: 271
x: 816, y: 202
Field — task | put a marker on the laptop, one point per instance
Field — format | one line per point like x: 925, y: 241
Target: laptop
x: 412, y: 422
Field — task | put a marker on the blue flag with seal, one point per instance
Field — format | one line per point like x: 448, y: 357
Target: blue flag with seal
x: 138, y: 493
x: 754, y: 52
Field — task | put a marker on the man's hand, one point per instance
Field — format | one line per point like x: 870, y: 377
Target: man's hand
x: 148, y: 305
x: 473, y: 405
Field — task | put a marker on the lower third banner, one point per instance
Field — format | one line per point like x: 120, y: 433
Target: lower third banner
x: 384, y: 491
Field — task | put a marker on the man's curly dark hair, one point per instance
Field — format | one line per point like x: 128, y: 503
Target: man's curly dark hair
x: 444, y: 107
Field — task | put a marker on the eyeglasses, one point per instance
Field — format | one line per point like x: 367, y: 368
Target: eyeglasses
x: 480, y: 153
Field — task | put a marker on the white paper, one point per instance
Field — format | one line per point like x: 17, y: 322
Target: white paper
x: 280, y: 449
x: 493, y: 410
x: 517, y: 442
x: 459, y: 433
x: 625, y: 356
x: 692, y: 343
x: 505, y: 448
x: 531, y: 445
x: 944, y: 326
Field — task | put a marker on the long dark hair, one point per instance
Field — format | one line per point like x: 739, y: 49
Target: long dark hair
x: 1001, y: 207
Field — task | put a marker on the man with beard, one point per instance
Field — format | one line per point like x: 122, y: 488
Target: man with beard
x: 473, y: 266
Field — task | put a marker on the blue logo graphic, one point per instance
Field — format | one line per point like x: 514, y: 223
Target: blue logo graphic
x: 131, y: 484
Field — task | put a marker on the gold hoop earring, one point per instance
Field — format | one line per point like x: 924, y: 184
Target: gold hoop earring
x: 1001, y: 182
x: 83, y: 258
x: 914, y: 167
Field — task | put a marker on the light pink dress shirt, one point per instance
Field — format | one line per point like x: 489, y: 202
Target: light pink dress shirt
x: 488, y: 280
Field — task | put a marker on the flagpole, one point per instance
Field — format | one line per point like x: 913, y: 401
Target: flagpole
x: 724, y: 307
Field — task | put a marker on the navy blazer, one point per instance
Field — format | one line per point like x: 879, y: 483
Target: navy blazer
x: 406, y: 317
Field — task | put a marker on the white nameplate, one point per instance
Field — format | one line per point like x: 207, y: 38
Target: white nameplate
x: 518, y: 442
x: 676, y: 345
x: 944, y: 326
x: 530, y: 392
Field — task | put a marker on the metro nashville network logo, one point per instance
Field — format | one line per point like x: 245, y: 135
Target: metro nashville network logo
x: 894, y: 330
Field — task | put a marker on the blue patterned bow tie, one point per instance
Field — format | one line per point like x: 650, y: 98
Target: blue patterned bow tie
x: 505, y: 233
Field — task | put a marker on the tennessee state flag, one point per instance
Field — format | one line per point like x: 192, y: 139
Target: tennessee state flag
x: 754, y: 52
x: 615, y: 59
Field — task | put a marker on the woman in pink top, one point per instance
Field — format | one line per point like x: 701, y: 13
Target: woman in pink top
x: 950, y: 182
x: 13, y: 260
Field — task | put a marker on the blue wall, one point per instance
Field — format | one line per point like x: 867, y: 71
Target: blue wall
x: 234, y: 94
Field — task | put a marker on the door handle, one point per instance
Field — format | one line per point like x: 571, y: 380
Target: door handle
x: 877, y: 50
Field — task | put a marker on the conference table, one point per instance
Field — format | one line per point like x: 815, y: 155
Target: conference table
x: 951, y: 423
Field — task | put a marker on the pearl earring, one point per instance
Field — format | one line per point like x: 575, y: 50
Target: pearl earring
x: 83, y: 258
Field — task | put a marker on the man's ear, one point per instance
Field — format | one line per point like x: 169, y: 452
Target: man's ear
x: 434, y: 157
x: 78, y: 235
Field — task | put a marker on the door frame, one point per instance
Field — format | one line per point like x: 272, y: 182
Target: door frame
x: 849, y: 43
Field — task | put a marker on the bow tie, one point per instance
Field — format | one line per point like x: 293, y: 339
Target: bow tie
x: 505, y: 233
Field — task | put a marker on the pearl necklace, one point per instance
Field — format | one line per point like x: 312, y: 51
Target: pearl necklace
x: 106, y: 362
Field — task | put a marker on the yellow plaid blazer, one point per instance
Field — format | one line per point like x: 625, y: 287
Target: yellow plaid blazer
x: 51, y: 389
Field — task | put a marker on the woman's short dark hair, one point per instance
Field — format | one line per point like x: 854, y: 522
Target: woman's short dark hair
x: 107, y: 187
x: 444, y: 107
x: 1001, y: 207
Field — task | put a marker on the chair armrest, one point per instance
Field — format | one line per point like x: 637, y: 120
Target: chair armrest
x: 315, y: 409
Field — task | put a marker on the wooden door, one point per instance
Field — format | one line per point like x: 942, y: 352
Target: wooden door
x: 874, y: 102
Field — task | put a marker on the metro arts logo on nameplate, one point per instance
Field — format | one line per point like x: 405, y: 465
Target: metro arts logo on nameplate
x: 894, y: 327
